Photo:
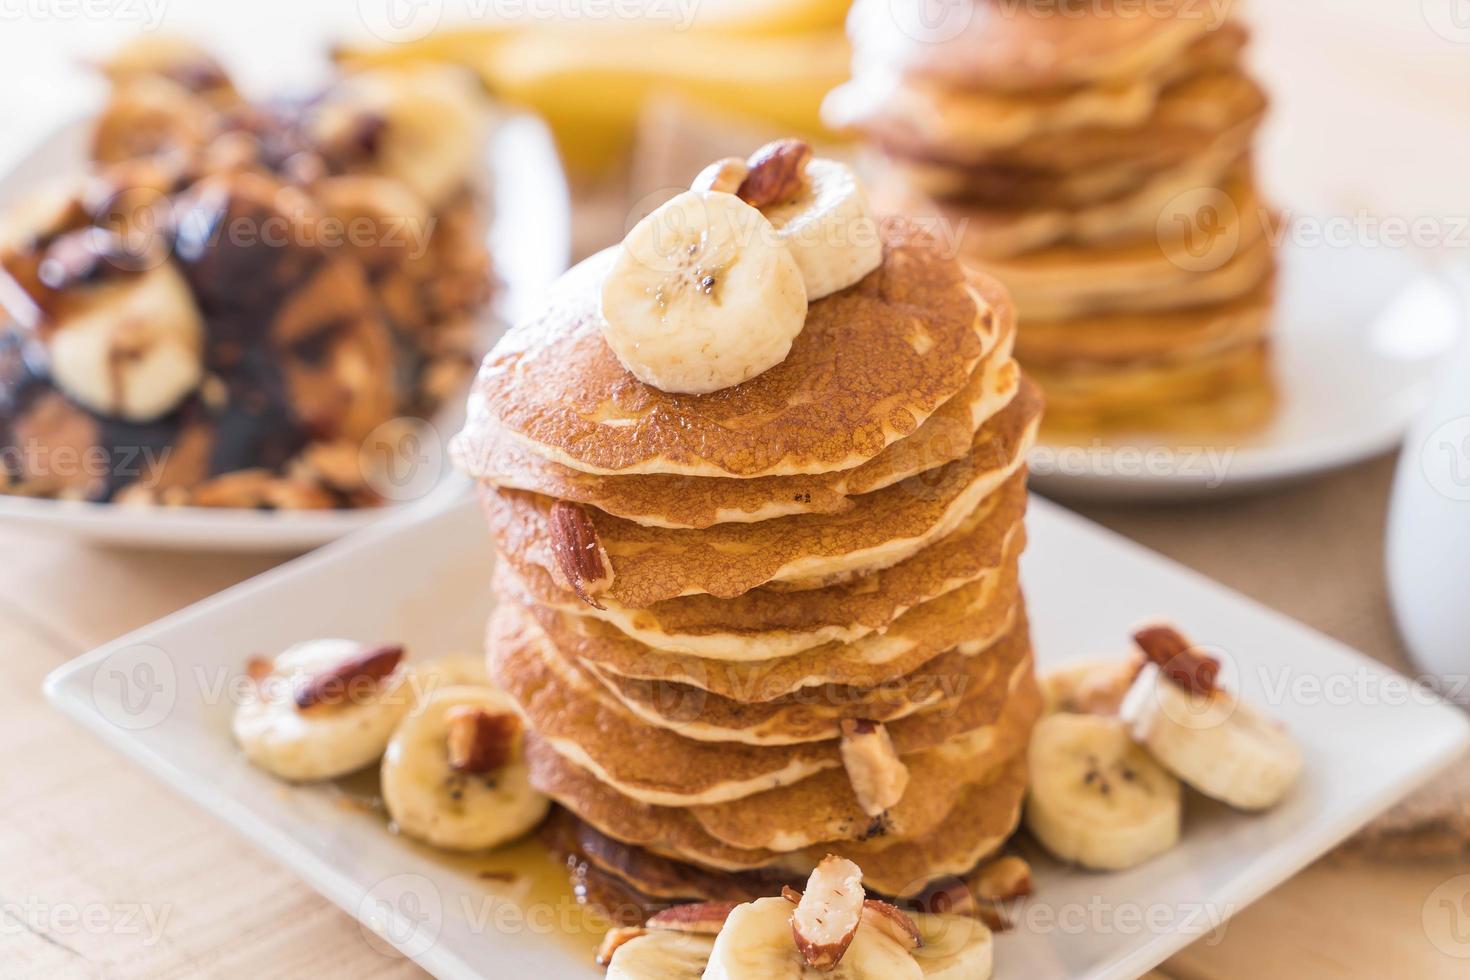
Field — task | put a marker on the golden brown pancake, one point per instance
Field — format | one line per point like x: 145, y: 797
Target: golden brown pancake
x: 804, y: 698
x: 771, y: 624
x: 888, y: 526
x: 1124, y: 340
x: 1188, y: 114
x: 966, y: 124
x: 1001, y: 46
x: 1006, y: 232
x: 970, y: 619
x: 1230, y: 392
x: 699, y: 502
x: 1229, y: 259
x: 574, y: 714
x: 824, y: 807
x: 821, y: 808
x: 871, y: 364
x: 985, y: 814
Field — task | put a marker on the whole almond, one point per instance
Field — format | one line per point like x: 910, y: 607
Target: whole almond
x: 331, y: 687
x: 580, y: 559
x: 777, y: 173
x: 481, y: 741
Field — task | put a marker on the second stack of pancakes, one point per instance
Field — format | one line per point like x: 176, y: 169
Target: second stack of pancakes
x: 1096, y: 159
x: 780, y: 580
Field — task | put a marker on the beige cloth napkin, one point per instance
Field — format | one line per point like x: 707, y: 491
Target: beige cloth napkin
x: 1312, y: 550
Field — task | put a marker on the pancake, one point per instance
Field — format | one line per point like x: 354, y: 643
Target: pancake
x: 970, y: 619
x: 582, y: 722
x: 769, y: 624
x: 996, y: 45
x: 1124, y: 340
x: 1215, y: 266
x: 998, y: 233
x: 817, y: 810
x: 812, y: 713
x: 825, y: 809
x: 871, y: 364
x: 1229, y: 392
x: 1049, y: 189
x: 804, y: 698
x: 699, y: 502
x: 985, y: 815
x: 647, y: 879
x: 1188, y: 114
x: 968, y: 123
x: 651, y: 564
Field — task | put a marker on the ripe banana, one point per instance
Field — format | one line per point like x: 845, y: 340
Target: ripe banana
x: 592, y: 86
x: 455, y: 670
x: 453, y: 775
x: 330, y: 738
x: 702, y: 295
x: 1096, y: 798
x: 1212, y: 741
x: 133, y: 349
x: 662, y: 955
x: 1090, y: 687
x: 829, y: 228
x: 954, y: 947
x: 756, y: 944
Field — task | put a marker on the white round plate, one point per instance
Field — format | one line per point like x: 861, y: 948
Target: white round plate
x: 530, y: 242
x: 1357, y: 333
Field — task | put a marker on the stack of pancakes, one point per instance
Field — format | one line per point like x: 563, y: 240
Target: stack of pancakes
x: 1096, y: 159
x: 834, y: 541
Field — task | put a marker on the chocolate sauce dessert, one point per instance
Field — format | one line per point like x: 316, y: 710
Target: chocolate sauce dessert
x: 237, y: 295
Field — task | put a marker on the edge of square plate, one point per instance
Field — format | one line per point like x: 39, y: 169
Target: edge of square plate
x: 63, y: 687
x: 1321, y: 837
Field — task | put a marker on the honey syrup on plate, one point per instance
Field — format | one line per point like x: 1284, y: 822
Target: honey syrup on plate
x: 519, y: 888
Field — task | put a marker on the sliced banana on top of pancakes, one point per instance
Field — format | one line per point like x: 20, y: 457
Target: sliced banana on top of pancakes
x: 1120, y: 736
x: 712, y: 288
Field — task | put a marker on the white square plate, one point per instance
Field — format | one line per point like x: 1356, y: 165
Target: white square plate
x: 162, y: 696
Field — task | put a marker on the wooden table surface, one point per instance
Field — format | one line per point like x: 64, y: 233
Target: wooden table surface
x: 104, y: 872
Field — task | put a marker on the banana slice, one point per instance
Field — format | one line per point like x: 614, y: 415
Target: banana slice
x: 702, y: 295
x: 829, y: 228
x: 133, y: 348
x: 454, y: 776
x: 661, y: 955
x: 1096, y: 798
x: 1212, y: 741
x: 757, y: 944
x: 432, y: 125
x: 323, y: 708
x: 954, y: 947
x: 455, y: 670
x: 1090, y: 687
